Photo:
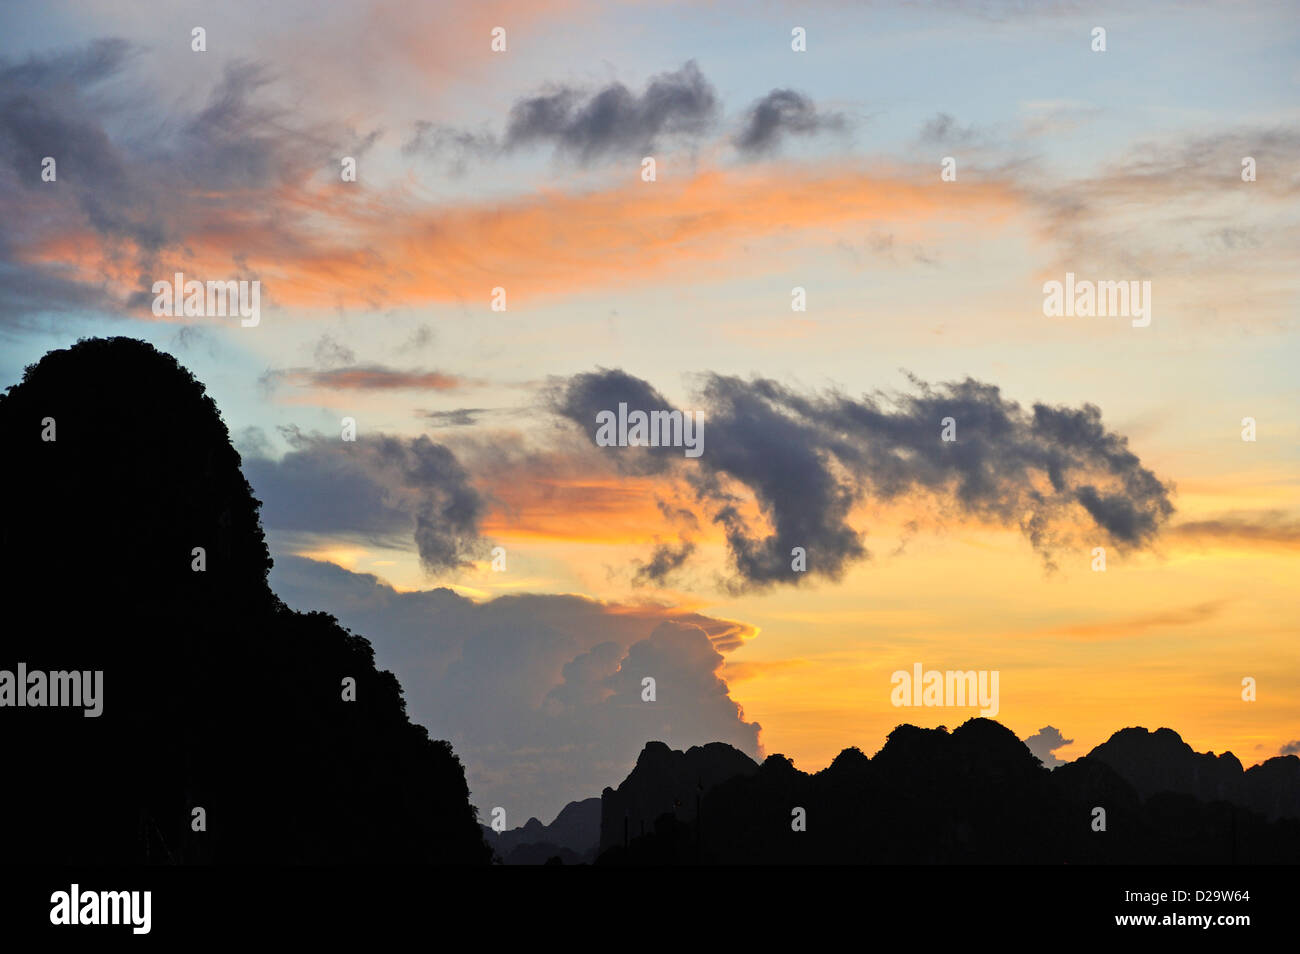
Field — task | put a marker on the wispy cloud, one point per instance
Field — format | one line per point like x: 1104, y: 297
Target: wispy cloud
x: 366, y: 377
x: 1269, y: 528
x: 1121, y: 627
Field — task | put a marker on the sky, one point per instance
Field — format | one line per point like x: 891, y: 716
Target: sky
x: 854, y: 213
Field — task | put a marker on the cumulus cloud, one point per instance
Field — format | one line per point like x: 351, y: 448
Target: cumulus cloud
x: 780, y: 113
x: 805, y: 460
x: 379, y: 488
x: 540, y: 695
x: 1045, y: 742
x: 586, y: 124
x: 615, y: 119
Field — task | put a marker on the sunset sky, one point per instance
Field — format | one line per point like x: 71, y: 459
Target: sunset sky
x: 775, y: 169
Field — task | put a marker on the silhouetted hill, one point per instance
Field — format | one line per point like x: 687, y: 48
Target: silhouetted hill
x: 574, y: 836
x: 974, y: 795
x: 215, y: 695
x: 1161, y: 761
x: 666, y: 780
x: 1273, y: 787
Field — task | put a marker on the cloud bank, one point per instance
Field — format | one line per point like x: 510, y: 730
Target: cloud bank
x: 540, y: 695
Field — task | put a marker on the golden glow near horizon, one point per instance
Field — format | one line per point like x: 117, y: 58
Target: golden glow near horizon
x: 1158, y: 639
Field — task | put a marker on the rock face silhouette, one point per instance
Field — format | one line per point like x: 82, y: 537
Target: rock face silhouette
x: 975, y: 795
x: 215, y: 695
x: 573, y: 837
x: 666, y: 781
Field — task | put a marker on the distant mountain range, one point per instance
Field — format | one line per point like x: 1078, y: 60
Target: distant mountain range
x: 1160, y: 761
x: 666, y: 780
x: 572, y: 838
x: 975, y: 795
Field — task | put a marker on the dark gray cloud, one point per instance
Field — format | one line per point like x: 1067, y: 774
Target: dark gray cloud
x: 1291, y: 748
x: 382, y: 489
x: 806, y: 460
x: 676, y: 514
x: 783, y: 461
x: 663, y: 561
x: 28, y: 291
x: 780, y: 113
x: 540, y: 695
x: 48, y: 107
x: 615, y: 119
x: 586, y: 124
x: 1045, y: 742
x: 460, y: 417
x: 582, y: 396
x: 142, y: 176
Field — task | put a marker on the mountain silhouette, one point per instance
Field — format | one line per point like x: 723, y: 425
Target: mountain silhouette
x: 1161, y: 761
x: 663, y: 781
x: 573, y: 837
x: 225, y: 735
x: 975, y: 795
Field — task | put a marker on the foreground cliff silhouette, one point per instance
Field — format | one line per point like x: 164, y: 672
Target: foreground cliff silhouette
x: 215, y: 695
x: 976, y: 795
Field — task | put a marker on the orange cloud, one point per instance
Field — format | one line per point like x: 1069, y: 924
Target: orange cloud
x: 329, y: 244
x: 1272, y: 529
x: 1129, y: 626
x: 370, y: 378
x: 734, y: 671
